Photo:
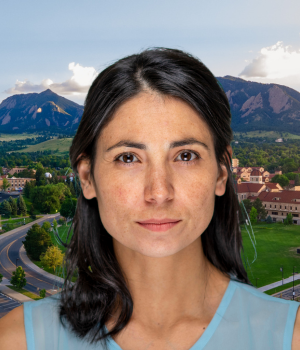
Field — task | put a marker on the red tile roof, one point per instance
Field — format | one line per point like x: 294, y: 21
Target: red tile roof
x: 256, y: 172
x: 249, y: 187
x: 284, y: 196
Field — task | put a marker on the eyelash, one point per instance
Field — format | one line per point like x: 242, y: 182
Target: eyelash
x: 187, y: 162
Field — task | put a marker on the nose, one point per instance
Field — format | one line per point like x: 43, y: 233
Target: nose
x: 158, y: 187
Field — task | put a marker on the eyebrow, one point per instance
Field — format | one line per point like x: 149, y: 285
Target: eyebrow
x: 174, y: 144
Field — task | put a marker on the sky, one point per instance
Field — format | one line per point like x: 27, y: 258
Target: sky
x: 63, y: 45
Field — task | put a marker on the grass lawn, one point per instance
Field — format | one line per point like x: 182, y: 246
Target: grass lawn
x: 8, y: 225
x: 276, y: 246
x: 25, y: 292
x: 63, y: 232
x: 61, y: 146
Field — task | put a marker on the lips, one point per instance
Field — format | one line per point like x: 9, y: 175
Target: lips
x: 159, y: 225
x: 158, y: 221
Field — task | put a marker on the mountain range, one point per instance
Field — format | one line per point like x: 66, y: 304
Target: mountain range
x: 254, y: 106
x: 257, y: 106
x: 39, y: 112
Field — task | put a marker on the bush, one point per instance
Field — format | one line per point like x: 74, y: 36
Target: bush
x: 42, y: 293
x: 62, y: 221
x: 269, y: 220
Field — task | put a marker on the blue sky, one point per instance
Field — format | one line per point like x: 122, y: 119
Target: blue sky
x: 66, y: 43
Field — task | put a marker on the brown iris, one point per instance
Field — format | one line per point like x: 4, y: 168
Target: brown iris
x: 186, y: 155
x: 127, y: 158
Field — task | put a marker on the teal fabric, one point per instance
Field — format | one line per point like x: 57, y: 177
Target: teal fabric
x: 245, y: 319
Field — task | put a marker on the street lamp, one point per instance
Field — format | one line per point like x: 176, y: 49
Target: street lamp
x: 256, y: 281
x: 293, y: 282
x: 17, y: 262
x: 281, y: 269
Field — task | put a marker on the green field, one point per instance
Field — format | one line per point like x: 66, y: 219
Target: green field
x: 62, y: 232
x: 276, y: 246
x: 267, y: 134
x: 61, y: 145
x: 14, y: 137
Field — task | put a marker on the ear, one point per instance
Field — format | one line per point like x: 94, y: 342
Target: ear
x: 223, y: 176
x: 84, y: 173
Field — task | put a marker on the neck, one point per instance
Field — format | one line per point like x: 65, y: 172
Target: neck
x: 165, y: 291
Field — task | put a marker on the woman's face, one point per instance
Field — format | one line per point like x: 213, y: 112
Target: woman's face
x: 155, y: 160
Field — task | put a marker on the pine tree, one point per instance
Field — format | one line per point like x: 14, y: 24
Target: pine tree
x: 22, y: 206
x: 18, y: 279
x: 13, y: 204
x: 5, y: 208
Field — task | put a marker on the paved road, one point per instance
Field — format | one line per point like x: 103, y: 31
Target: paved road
x: 288, y: 293
x: 9, y: 252
x: 7, y: 304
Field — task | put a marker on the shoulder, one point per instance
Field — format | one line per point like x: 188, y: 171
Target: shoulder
x: 296, y: 334
x: 12, y: 330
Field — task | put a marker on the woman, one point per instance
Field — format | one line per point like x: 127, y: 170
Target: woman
x: 156, y: 242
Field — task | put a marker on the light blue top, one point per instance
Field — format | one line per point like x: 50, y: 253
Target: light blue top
x: 245, y: 319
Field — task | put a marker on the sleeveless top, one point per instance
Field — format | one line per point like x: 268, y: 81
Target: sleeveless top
x: 245, y: 319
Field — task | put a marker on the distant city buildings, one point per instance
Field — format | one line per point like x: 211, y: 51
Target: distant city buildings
x: 254, y: 182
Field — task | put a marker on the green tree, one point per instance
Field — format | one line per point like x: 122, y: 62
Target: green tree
x: 5, y: 184
x: 297, y: 180
x: 54, y: 224
x: 46, y: 226
x: 14, y: 206
x: 21, y: 206
x: 248, y: 205
x: 18, y: 279
x: 288, y: 220
x: 5, y: 208
x: 1, y: 276
x: 253, y: 215
x: 40, y: 176
x: 68, y: 208
x: 42, y: 293
x: 52, y: 258
x: 37, y: 241
x: 281, y: 179
x: 28, y: 187
x: 261, y: 211
x: 1, y: 170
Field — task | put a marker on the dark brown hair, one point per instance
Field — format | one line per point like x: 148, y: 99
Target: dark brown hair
x: 88, y: 304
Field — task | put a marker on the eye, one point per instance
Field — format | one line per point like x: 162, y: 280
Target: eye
x: 126, y: 158
x: 188, y: 156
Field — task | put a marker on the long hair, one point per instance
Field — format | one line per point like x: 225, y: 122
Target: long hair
x: 101, y: 286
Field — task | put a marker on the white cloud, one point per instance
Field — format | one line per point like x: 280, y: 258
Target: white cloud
x: 78, y: 84
x: 278, y: 64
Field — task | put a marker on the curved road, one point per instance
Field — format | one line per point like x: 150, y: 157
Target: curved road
x: 9, y: 253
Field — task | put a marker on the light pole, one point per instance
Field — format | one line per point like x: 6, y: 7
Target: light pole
x: 281, y: 269
x: 293, y: 282
x: 17, y: 262
x: 256, y: 281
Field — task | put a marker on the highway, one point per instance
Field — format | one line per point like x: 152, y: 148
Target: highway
x: 9, y: 253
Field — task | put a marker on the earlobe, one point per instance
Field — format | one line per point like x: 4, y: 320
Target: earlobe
x: 84, y: 172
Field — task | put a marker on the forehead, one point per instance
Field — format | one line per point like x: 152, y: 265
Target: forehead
x: 150, y: 117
